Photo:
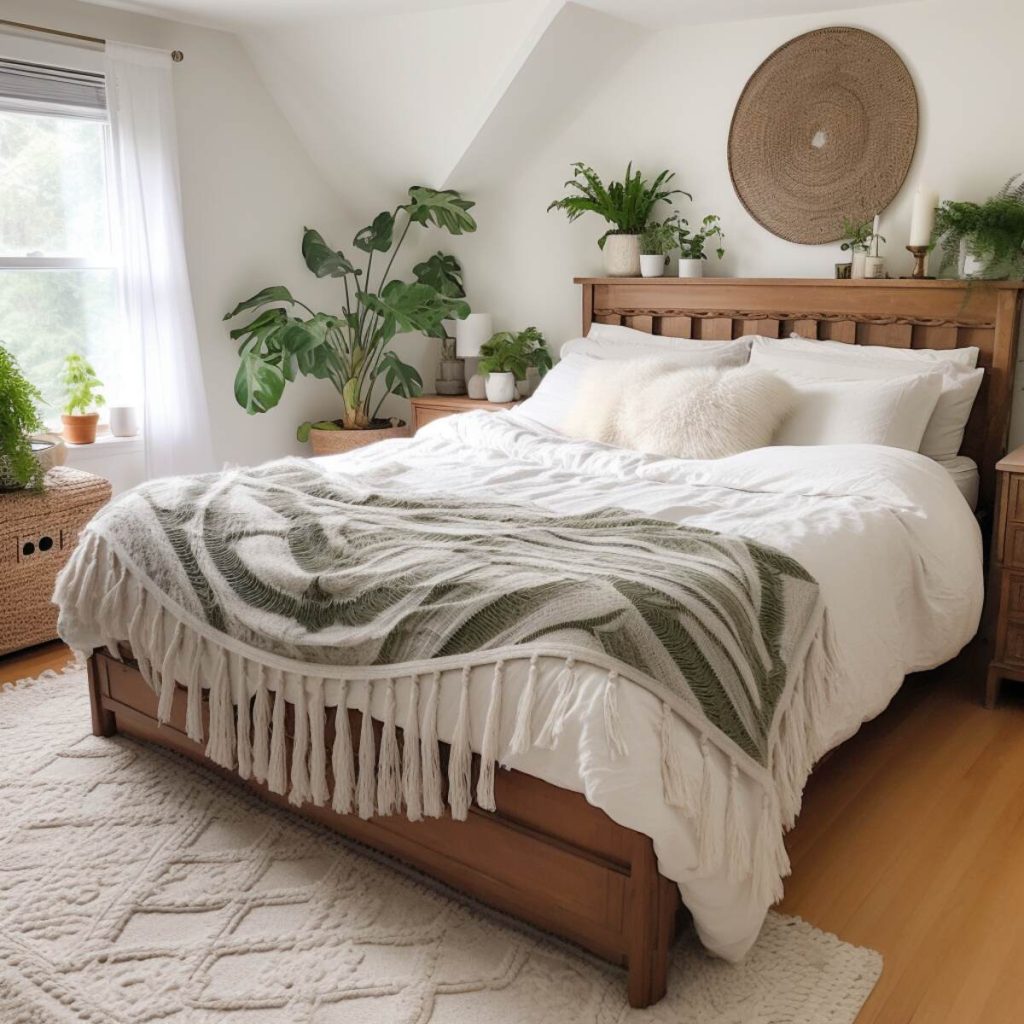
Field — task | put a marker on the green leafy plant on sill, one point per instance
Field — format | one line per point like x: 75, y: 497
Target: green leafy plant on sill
x: 515, y: 352
x: 660, y: 239
x: 858, y: 236
x: 81, y: 386
x: 993, y: 231
x: 626, y: 204
x: 692, y: 245
x: 351, y: 348
x: 19, y: 417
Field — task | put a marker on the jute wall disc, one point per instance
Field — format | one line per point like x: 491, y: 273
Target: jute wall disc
x: 824, y: 130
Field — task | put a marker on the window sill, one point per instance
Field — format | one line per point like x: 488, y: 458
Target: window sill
x: 108, y: 444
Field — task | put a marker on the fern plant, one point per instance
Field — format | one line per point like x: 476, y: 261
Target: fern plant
x: 626, y: 204
x: 993, y: 231
x: 515, y: 352
x: 81, y: 386
x: 19, y: 417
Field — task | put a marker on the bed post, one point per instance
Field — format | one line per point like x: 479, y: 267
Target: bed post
x: 652, y: 911
x: 103, y: 721
x: 588, y: 306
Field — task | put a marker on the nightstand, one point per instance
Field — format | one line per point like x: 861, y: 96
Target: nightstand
x: 428, y: 408
x: 1006, y: 577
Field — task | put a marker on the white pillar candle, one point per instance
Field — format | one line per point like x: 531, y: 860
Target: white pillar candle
x: 876, y: 224
x: 922, y: 219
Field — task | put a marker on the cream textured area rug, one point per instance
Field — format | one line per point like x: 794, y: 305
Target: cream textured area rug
x: 135, y: 887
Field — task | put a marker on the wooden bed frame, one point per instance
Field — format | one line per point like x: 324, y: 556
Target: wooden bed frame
x: 547, y: 856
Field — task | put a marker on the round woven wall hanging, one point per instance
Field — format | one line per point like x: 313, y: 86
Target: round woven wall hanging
x: 824, y: 131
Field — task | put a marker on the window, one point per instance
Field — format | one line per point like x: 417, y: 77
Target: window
x: 58, y: 282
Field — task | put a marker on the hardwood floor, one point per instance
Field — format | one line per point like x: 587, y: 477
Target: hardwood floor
x: 911, y: 842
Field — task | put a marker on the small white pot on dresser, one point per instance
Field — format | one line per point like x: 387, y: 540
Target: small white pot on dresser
x: 501, y: 387
x: 691, y: 268
x: 622, y: 255
x: 651, y: 266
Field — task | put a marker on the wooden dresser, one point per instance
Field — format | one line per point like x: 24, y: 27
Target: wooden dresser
x: 1006, y: 581
x: 428, y: 408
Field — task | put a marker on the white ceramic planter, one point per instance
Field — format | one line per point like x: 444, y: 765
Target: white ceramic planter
x: 124, y: 420
x: 622, y: 255
x: 651, y: 266
x: 970, y: 265
x: 874, y: 267
x: 501, y: 387
x: 857, y: 262
x: 691, y: 268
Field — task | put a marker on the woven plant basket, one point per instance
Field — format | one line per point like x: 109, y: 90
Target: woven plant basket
x: 335, y: 442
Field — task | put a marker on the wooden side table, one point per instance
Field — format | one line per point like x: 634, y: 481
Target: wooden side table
x: 428, y: 408
x: 1006, y: 577
x: 38, y: 532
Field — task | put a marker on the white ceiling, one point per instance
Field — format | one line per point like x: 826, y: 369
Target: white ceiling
x: 241, y: 15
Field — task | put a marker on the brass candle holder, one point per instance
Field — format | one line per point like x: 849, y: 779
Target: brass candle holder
x: 920, y: 254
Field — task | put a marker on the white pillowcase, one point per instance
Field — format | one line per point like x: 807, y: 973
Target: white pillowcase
x: 654, y: 407
x: 610, y: 341
x: 558, y: 391
x: 835, y: 361
x: 889, y: 412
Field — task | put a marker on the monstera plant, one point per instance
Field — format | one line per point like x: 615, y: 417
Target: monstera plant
x: 352, y: 348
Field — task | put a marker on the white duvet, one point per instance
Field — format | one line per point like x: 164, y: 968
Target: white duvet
x: 892, y: 543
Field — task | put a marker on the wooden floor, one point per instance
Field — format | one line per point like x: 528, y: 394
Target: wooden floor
x: 911, y: 841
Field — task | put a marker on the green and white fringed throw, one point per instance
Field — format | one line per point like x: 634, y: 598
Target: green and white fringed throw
x: 287, y: 584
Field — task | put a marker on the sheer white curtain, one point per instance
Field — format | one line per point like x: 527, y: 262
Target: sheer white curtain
x: 150, y: 240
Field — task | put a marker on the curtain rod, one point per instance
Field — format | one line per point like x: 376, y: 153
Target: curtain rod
x: 176, y: 55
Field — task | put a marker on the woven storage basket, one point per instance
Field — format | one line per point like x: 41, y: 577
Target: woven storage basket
x: 38, y: 532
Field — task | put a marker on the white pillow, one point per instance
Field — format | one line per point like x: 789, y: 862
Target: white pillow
x: 558, y: 391
x: 822, y: 360
x: 657, y: 408
x: 889, y: 412
x: 967, y: 357
x: 609, y: 341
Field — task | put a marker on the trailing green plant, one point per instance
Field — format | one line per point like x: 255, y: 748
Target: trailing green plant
x: 659, y: 239
x: 692, y: 244
x: 626, y: 204
x: 350, y: 348
x: 81, y: 386
x: 858, y: 236
x: 19, y: 417
x: 515, y: 352
x: 993, y: 231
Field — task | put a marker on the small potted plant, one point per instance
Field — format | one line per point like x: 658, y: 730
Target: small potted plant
x: 627, y: 205
x: 693, y: 245
x: 507, y: 357
x: 656, y: 242
x: 81, y: 400
x: 857, y: 238
x: 983, y: 240
x: 23, y: 458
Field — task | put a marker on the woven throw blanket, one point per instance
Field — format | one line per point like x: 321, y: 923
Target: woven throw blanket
x: 202, y: 574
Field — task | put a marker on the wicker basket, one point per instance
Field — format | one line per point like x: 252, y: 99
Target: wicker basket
x: 38, y: 532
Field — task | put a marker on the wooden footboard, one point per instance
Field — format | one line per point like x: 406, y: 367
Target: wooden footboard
x: 545, y: 856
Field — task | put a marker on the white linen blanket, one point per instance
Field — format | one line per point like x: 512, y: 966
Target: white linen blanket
x: 514, y: 461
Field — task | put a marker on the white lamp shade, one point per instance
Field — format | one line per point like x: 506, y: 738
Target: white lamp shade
x: 471, y: 333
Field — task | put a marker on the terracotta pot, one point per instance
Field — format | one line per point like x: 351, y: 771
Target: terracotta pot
x: 334, y: 442
x: 80, y: 429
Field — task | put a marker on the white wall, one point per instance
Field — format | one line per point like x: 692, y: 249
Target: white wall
x: 248, y: 187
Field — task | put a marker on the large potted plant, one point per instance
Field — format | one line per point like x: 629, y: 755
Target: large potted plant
x: 693, y: 245
x: 23, y: 458
x: 352, y: 348
x: 507, y: 357
x: 627, y: 205
x: 983, y: 240
x: 82, y: 399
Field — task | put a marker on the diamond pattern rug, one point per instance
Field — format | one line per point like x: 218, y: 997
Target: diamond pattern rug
x: 136, y: 887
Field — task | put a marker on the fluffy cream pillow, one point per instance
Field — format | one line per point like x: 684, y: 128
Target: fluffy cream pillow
x: 653, y: 406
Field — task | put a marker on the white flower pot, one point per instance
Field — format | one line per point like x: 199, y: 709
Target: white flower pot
x: 501, y: 387
x: 691, y: 268
x: 651, y: 266
x: 124, y: 420
x: 857, y: 261
x: 970, y: 265
x: 622, y: 255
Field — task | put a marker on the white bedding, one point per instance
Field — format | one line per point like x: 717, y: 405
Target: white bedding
x: 894, y: 547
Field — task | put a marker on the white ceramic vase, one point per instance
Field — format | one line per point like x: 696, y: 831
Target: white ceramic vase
x: 475, y: 387
x: 124, y: 420
x: 622, y: 255
x: 501, y: 387
x: 970, y: 265
x: 651, y: 266
x: 857, y: 262
x: 690, y: 267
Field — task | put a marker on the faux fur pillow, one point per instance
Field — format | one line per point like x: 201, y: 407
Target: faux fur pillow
x: 657, y: 408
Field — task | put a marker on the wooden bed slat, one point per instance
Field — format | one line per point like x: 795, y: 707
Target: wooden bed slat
x: 839, y: 330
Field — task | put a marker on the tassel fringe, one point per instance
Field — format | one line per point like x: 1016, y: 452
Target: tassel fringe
x: 461, y: 761
x: 342, y: 765
x: 430, y: 755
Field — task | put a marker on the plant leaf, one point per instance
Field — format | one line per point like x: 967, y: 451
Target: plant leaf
x: 400, y: 378
x: 268, y: 318
x: 258, y: 383
x: 378, y: 236
x: 412, y: 307
x: 443, y: 273
x: 274, y: 293
x: 322, y: 259
x: 302, y: 433
x: 447, y: 209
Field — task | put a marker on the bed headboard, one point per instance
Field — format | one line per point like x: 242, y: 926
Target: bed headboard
x: 904, y: 313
